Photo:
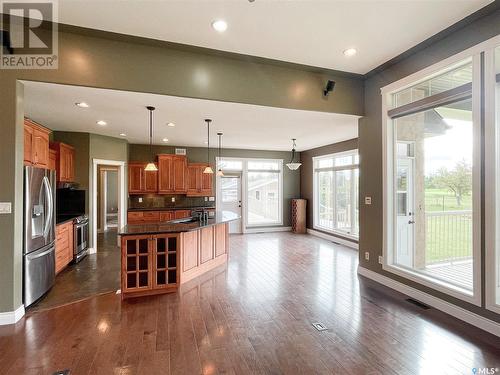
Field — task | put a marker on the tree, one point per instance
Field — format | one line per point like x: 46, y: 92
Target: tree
x: 458, y: 180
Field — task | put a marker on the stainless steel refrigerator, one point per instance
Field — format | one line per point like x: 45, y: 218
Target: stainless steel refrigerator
x: 39, y: 232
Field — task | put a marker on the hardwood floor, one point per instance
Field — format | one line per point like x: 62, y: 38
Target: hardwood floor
x: 253, y: 316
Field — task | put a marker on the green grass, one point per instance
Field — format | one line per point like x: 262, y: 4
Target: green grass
x: 444, y: 200
x: 447, y: 236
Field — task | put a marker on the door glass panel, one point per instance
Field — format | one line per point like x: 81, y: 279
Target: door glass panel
x: 229, y: 189
x: 263, y: 198
x: 343, y: 207
x: 325, y: 199
x: 434, y: 192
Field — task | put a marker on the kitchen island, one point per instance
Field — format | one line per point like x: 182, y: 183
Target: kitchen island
x: 157, y: 258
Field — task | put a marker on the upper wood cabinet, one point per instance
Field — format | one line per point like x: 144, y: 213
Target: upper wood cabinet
x: 199, y: 183
x: 141, y: 181
x: 172, y: 171
x: 65, y: 161
x: 52, y: 159
x: 36, y: 144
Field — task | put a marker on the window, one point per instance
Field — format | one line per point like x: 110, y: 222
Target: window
x: 432, y: 163
x: 336, y: 193
x: 262, y: 188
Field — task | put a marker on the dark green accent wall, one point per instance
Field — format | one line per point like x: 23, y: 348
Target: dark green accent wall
x: 306, y: 173
x: 291, y: 179
x: 370, y: 144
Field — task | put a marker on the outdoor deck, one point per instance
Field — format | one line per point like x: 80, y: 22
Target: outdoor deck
x: 457, y: 273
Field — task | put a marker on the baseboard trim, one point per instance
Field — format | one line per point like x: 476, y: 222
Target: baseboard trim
x: 439, y: 304
x: 11, y: 317
x: 91, y: 250
x: 267, y: 230
x: 329, y: 237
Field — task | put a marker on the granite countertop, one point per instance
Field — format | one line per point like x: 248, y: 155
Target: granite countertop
x: 170, y: 208
x: 221, y: 217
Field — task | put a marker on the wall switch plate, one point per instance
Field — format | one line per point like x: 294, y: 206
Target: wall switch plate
x: 381, y: 260
x: 367, y: 255
x: 173, y: 199
x: 206, y: 199
x: 211, y: 199
x: 140, y: 199
x: 5, y: 207
x: 368, y: 200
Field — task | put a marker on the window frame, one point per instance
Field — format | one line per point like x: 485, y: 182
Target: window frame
x: 492, y: 183
x: 389, y: 206
x: 352, y: 167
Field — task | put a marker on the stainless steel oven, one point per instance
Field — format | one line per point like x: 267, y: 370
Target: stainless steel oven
x: 81, y: 237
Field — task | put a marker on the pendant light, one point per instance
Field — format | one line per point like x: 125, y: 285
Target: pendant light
x: 151, y: 166
x: 219, y: 170
x: 208, y: 169
x: 293, y: 165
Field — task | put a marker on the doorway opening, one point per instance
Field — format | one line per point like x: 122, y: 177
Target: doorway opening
x: 107, y: 198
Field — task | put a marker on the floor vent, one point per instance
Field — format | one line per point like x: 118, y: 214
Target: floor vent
x: 418, y: 303
x: 320, y: 326
x: 61, y: 372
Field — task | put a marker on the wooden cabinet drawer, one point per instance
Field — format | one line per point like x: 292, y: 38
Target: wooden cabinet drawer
x: 151, y: 216
x: 166, y: 216
x: 64, y: 245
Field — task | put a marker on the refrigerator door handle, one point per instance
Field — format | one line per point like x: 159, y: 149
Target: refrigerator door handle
x: 31, y: 256
x: 50, y: 205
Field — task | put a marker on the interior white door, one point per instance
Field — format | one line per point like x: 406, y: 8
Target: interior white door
x: 405, y: 212
x: 230, y: 198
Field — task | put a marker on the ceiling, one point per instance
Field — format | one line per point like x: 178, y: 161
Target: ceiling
x: 244, y: 126
x: 312, y: 32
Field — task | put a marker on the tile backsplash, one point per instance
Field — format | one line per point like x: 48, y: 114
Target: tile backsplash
x: 165, y: 201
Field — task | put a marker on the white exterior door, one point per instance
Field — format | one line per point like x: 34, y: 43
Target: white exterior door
x: 405, y: 213
x: 230, y: 198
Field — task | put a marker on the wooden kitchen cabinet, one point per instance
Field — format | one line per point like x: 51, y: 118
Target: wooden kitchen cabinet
x: 198, y: 183
x: 172, y: 173
x: 64, y: 245
x: 143, y: 217
x: 152, y: 217
x: 149, y: 264
x: 166, y: 216
x: 65, y: 161
x: 141, y: 181
x: 52, y: 159
x: 36, y: 144
x: 181, y: 214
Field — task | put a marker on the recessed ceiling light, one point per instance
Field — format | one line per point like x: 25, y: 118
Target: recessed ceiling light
x: 165, y: 139
x: 123, y: 134
x: 102, y: 123
x: 350, y: 52
x: 219, y: 25
x: 82, y: 105
x: 171, y: 124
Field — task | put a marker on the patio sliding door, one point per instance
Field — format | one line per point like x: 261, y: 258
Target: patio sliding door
x: 433, y: 142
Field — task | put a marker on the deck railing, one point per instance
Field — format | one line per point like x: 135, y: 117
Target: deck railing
x: 448, y: 236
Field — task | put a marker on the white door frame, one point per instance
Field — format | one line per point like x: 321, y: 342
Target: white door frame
x: 122, y: 196
x: 103, y: 197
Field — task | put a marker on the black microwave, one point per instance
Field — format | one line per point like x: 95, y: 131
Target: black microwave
x: 70, y: 202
